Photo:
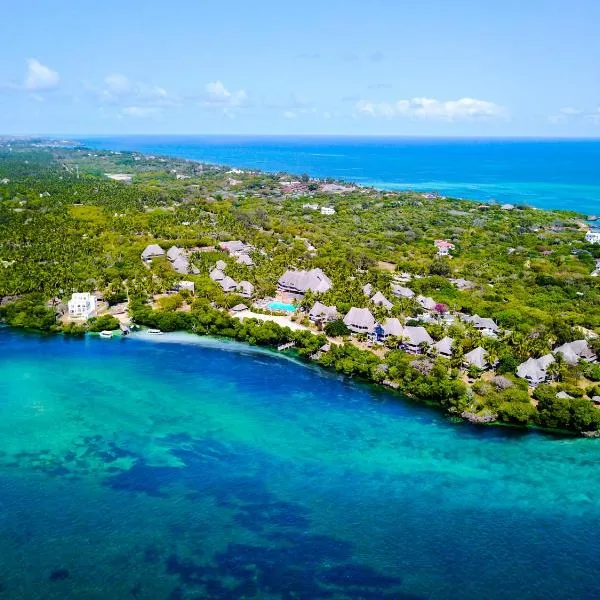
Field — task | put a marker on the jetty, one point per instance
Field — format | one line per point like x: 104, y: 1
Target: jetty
x: 285, y: 346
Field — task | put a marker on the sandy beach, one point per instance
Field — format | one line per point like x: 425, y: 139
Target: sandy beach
x: 280, y: 320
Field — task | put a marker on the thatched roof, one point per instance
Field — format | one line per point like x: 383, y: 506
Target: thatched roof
x: 228, y: 284
x: 245, y: 259
x: 477, y: 358
x: 174, y: 252
x: 217, y: 275
x: 380, y: 300
x: 322, y: 311
x: 574, y: 351
x: 303, y: 281
x: 360, y: 320
x: 444, y: 346
x: 152, y: 251
x: 402, y: 292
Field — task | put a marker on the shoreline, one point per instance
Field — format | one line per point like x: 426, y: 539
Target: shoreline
x: 380, y: 186
x: 182, y: 337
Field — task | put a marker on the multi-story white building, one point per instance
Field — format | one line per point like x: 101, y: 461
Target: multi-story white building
x: 82, y: 305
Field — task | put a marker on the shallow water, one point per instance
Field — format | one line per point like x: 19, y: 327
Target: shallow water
x: 185, y: 467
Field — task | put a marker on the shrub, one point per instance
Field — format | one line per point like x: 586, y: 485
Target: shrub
x: 336, y: 328
x: 103, y: 323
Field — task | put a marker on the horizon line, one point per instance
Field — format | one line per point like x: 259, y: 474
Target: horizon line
x: 302, y: 135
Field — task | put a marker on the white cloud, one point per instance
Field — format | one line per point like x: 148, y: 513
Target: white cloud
x: 132, y: 98
x: 430, y: 108
x: 117, y: 84
x: 288, y: 114
x: 39, y: 77
x: 569, y: 110
x: 218, y: 96
x: 571, y: 114
x: 142, y: 112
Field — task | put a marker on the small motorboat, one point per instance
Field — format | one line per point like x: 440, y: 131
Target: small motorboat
x: 154, y: 332
x: 106, y: 334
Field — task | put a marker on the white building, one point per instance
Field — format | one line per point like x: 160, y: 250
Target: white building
x: 327, y: 210
x: 593, y: 237
x: 443, y: 247
x: 82, y: 305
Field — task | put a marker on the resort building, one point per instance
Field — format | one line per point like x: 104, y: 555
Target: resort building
x: 444, y: 347
x: 392, y: 328
x: 593, y: 237
x: 228, y: 284
x: 186, y: 285
x: 245, y: 259
x: 402, y: 292
x: 82, y: 305
x: 327, y: 210
x: 462, y: 284
x: 414, y: 338
x: 174, y: 252
x: 360, y: 320
x: 485, y: 325
x: 426, y: 302
x: 235, y: 247
x: 245, y: 289
x: 181, y: 265
x: 477, y: 358
x: 300, y: 282
x: 575, y: 351
x: 217, y: 275
x: 152, y: 251
x: 380, y: 300
x: 367, y: 290
x: 534, y: 370
x: 221, y: 265
x: 320, y: 313
x: 239, y: 308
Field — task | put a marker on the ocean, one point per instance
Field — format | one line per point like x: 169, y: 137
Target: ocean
x: 179, y: 467
x: 554, y: 174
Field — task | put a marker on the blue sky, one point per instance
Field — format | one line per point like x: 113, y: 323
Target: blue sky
x: 432, y: 67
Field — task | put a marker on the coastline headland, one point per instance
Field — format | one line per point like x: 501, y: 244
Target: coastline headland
x: 490, y: 311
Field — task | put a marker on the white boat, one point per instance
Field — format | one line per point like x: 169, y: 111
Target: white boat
x: 106, y: 334
x: 154, y: 332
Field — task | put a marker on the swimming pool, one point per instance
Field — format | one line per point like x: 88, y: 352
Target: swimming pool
x: 281, y: 306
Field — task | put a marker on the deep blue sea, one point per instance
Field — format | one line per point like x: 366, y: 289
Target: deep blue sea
x: 183, y: 468
x: 563, y: 174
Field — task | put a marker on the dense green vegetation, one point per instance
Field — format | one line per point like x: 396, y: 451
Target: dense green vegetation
x: 65, y: 226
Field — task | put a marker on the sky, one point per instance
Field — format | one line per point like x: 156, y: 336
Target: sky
x: 383, y: 67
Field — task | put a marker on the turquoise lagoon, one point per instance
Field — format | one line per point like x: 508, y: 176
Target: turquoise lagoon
x: 186, y: 467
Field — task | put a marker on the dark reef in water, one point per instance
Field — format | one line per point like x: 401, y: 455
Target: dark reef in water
x: 59, y: 575
x: 289, y: 561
